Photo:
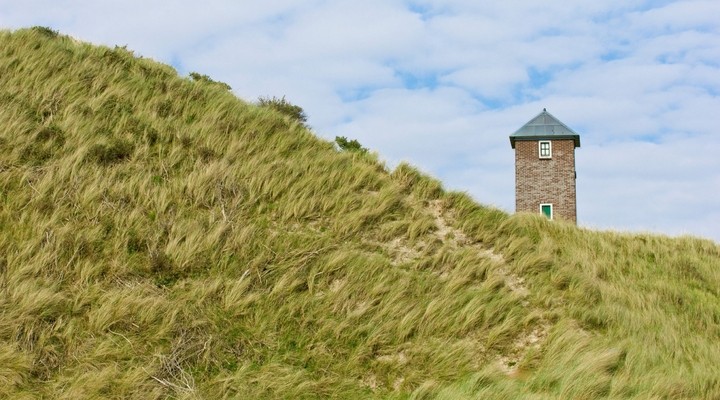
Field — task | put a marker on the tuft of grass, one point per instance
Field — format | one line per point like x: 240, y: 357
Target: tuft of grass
x: 115, y: 151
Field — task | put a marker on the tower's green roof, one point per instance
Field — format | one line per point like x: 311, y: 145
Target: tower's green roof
x: 544, y: 126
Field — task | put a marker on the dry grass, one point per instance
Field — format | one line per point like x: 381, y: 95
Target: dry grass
x: 162, y: 239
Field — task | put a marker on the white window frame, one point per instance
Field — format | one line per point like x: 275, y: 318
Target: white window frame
x: 551, y: 209
x: 549, y: 143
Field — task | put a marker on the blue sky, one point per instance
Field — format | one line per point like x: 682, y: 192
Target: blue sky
x: 442, y: 84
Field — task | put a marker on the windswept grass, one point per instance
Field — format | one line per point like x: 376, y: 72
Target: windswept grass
x: 160, y: 238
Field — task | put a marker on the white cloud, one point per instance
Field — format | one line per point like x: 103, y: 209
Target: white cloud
x: 678, y: 15
x: 489, y: 81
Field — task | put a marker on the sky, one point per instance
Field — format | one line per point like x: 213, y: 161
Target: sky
x: 442, y: 84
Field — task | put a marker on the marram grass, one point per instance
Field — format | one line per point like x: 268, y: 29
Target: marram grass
x: 160, y: 238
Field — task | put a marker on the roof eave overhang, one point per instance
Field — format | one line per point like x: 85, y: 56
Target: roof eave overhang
x: 574, y: 138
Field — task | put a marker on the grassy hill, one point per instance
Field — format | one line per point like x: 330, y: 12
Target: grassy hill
x: 160, y: 238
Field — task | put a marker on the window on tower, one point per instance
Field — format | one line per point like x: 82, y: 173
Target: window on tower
x: 547, y: 210
x: 545, y: 149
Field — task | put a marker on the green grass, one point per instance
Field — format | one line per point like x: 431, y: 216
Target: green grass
x: 160, y: 238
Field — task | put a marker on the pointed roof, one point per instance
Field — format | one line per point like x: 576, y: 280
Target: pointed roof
x: 544, y: 126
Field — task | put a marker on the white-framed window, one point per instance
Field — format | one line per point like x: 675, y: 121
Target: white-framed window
x: 546, y: 209
x: 545, y: 149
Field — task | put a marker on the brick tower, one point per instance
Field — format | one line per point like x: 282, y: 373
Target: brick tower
x: 545, y: 167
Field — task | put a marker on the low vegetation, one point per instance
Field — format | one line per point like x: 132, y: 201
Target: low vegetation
x: 349, y: 144
x: 160, y: 238
x: 283, y: 106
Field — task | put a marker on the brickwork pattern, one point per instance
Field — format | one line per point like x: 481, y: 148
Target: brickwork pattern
x: 539, y: 181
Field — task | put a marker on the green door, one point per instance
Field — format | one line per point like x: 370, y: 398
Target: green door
x: 547, y: 210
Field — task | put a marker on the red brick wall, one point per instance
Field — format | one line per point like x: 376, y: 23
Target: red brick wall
x: 539, y: 181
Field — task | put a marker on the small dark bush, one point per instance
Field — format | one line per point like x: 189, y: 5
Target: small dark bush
x: 47, y: 141
x: 51, y: 133
x: 284, y: 107
x: 141, y: 128
x: 198, y: 77
x: 151, y: 136
x: 162, y: 269
x: 186, y: 141
x: 45, y: 31
x: 164, y: 109
x: 206, y: 154
x: 34, y: 154
x: 116, y: 151
x: 160, y: 262
x: 136, y: 244
x: 114, y: 105
x: 349, y: 145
